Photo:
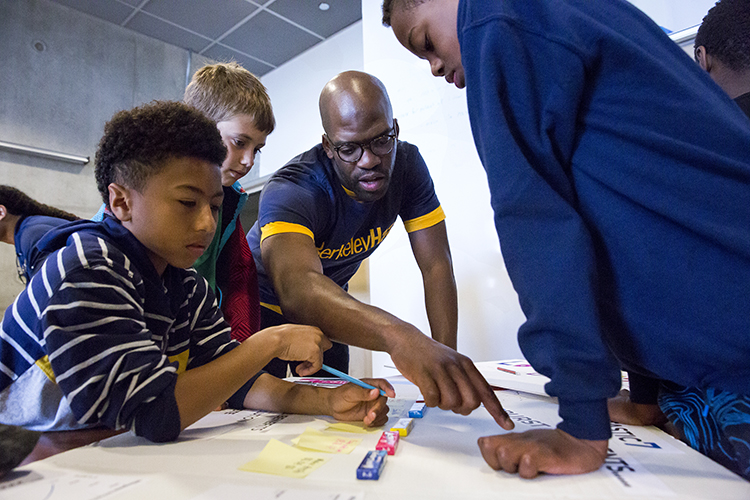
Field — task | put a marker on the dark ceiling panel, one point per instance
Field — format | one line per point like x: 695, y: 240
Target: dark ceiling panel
x: 274, y: 34
x: 153, y: 27
x: 306, y: 13
x: 267, y: 37
x: 220, y: 53
x: 211, y: 18
x: 113, y: 12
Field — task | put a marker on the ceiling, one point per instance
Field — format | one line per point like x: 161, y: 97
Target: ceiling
x: 260, y: 35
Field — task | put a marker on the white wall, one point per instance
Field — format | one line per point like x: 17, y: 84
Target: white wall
x: 433, y: 116
x: 294, y: 89
x: 675, y: 15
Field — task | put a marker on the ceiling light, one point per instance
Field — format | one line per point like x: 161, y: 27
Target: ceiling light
x: 323, y: 6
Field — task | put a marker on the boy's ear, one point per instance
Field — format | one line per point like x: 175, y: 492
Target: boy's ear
x: 3, y: 212
x: 702, y: 58
x: 120, y: 202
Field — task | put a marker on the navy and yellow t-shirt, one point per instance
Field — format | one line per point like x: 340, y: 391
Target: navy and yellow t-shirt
x: 305, y: 196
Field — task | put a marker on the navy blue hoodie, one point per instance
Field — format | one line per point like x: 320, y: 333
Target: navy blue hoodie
x: 619, y: 175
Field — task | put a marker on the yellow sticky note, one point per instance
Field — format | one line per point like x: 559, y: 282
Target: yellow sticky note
x: 283, y: 460
x: 356, y: 428
x: 317, y: 441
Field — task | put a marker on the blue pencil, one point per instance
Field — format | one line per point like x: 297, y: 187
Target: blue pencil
x: 349, y: 378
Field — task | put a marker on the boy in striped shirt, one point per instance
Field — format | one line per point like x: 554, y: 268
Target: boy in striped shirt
x: 113, y: 330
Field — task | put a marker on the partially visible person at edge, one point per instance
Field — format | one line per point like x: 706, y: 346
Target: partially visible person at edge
x: 722, y: 47
x: 17, y: 209
x: 619, y: 176
x: 238, y: 102
x: 327, y: 210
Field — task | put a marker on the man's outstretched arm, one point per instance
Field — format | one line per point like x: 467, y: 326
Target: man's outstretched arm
x: 446, y: 378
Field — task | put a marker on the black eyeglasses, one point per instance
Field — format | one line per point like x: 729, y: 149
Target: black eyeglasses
x: 351, y: 152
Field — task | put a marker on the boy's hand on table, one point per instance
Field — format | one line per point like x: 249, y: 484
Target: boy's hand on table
x: 299, y: 343
x: 447, y: 379
x: 624, y: 411
x: 351, y: 402
x: 550, y: 451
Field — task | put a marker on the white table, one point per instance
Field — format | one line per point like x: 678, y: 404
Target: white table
x: 438, y: 460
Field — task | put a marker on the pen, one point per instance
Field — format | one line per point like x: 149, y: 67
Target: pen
x: 506, y: 370
x: 349, y: 378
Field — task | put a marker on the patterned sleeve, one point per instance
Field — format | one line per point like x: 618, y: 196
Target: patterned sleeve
x: 210, y: 334
x: 209, y: 331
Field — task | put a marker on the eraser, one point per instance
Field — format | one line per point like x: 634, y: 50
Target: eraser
x: 403, y: 426
x: 416, y: 410
x: 388, y: 441
x: 372, y: 465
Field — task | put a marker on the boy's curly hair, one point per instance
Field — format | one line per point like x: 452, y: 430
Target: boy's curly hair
x: 225, y: 90
x: 725, y: 33
x: 17, y: 202
x: 137, y: 142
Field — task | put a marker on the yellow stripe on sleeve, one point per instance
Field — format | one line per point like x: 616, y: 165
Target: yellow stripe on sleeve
x: 272, y: 307
x: 425, y: 221
x: 284, y: 227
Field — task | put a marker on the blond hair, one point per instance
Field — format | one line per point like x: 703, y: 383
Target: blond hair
x: 224, y: 90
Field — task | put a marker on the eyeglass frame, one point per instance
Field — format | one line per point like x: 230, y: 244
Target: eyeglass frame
x: 392, y: 134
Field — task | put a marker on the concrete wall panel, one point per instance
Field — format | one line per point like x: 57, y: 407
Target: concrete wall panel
x: 63, y: 74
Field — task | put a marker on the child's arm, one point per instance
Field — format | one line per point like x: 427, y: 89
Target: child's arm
x: 348, y: 402
x: 200, y: 390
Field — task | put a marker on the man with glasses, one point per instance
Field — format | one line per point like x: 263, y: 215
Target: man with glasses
x: 327, y: 210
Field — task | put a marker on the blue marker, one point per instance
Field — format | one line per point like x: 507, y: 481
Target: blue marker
x: 349, y: 378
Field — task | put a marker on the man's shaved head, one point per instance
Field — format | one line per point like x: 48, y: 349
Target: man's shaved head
x: 350, y: 94
x: 355, y: 111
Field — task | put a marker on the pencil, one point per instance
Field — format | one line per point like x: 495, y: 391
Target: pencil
x: 506, y: 370
x: 349, y: 378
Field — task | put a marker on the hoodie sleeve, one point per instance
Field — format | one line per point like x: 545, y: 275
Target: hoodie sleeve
x: 28, y: 233
x: 524, y: 93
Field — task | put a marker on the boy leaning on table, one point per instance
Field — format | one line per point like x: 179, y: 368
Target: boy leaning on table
x: 619, y: 174
x: 113, y: 330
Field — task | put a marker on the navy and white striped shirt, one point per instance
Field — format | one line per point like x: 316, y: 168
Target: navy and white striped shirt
x: 98, y: 337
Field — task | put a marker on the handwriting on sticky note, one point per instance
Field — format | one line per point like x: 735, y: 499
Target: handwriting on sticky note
x: 355, y: 428
x: 315, y: 440
x: 283, y: 460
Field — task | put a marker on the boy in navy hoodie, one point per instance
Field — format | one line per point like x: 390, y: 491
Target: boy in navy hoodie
x: 113, y: 330
x: 619, y: 177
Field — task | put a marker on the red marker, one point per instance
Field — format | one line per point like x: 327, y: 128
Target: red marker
x: 506, y: 370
